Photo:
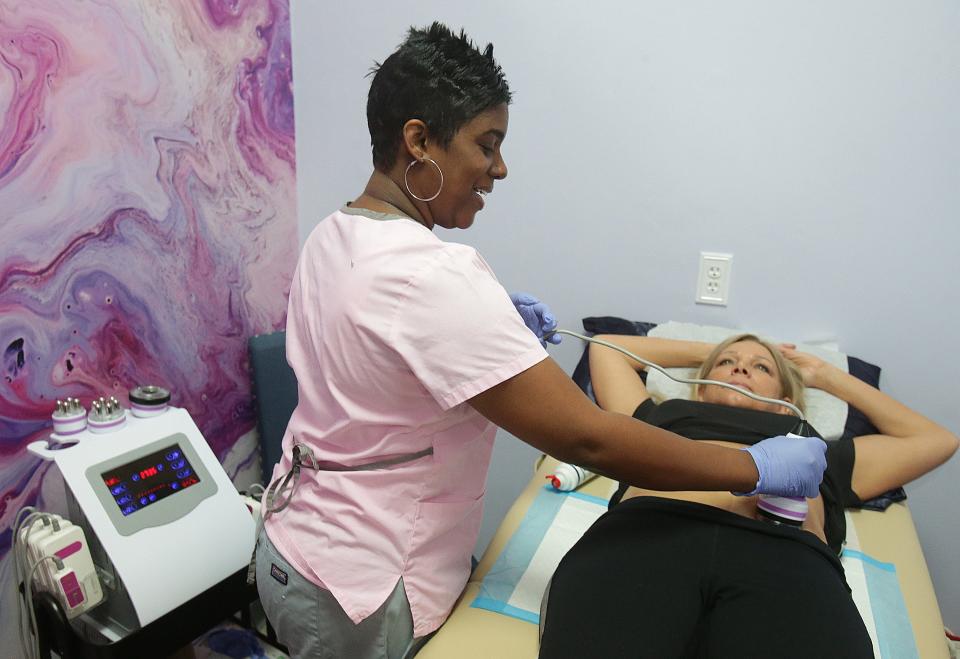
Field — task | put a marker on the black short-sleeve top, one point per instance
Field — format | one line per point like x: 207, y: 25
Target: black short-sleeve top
x: 697, y: 420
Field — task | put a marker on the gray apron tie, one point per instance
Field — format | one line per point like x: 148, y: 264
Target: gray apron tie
x: 303, y: 458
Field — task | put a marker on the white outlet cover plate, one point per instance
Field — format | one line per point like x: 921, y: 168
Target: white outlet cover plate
x: 713, y: 281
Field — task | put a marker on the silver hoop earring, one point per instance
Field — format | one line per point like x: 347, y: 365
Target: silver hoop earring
x: 407, y: 183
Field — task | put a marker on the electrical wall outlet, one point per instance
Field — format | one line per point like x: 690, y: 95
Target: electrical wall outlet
x: 713, y: 282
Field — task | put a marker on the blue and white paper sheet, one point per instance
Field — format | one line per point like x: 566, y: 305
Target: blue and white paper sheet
x: 554, y: 522
x: 876, y: 592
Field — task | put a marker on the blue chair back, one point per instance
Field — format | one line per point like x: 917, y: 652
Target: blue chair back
x: 275, y: 395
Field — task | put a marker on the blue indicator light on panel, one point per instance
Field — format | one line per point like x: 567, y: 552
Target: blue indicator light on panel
x: 159, y: 466
x: 179, y: 464
x: 173, y: 455
x: 135, y: 478
x: 129, y: 509
x: 126, y: 498
x: 119, y: 489
x: 174, y: 486
x: 143, y: 501
x: 183, y: 473
x: 153, y: 497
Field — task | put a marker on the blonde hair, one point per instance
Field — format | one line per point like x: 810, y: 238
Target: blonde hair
x: 791, y: 381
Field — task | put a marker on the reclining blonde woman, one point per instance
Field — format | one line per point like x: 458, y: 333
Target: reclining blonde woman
x: 696, y: 574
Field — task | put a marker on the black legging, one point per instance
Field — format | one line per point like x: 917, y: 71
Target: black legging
x: 660, y: 578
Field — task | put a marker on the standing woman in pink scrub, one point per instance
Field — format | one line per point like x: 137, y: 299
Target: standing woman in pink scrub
x: 409, y: 354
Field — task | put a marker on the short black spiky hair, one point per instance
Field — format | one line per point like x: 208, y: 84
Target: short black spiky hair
x: 436, y: 76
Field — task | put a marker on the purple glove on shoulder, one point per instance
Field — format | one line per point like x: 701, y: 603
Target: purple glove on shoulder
x: 536, y: 315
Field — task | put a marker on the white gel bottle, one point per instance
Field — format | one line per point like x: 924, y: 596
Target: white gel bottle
x: 567, y: 477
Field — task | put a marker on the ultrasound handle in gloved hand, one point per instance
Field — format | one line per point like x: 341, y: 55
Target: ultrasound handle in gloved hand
x: 788, y: 466
x: 791, y: 511
x: 537, y: 316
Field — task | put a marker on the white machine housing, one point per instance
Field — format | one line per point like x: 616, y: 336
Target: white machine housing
x: 194, y: 532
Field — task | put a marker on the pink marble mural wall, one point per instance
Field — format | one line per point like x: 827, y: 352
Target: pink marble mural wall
x: 147, y: 218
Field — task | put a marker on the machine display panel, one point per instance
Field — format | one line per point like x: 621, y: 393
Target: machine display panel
x: 140, y: 483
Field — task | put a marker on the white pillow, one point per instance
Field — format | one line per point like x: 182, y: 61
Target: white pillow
x: 827, y: 413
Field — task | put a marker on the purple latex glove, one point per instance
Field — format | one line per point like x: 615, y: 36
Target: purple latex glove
x: 788, y: 466
x: 536, y: 315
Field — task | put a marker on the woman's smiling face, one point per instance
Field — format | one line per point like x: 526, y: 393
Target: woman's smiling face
x: 750, y: 366
x: 470, y: 164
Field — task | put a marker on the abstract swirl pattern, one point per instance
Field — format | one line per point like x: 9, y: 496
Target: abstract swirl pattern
x: 147, y: 215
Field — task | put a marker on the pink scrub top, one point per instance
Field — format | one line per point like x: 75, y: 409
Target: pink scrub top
x: 389, y: 331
